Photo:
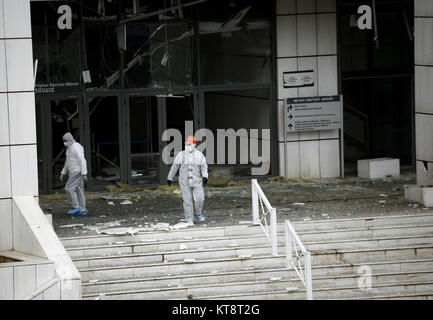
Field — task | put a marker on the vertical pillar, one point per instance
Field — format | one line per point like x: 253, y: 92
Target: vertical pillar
x: 306, y: 39
x: 423, y: 191
x: 18, y: 152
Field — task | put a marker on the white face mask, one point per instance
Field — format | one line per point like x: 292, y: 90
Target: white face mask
x: 67, y: 144
x: 189, y: 147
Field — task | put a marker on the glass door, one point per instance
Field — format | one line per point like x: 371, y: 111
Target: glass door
x: 105, y: 142
x: 144, y: 141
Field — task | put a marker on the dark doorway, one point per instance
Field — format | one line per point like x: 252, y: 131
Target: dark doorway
x: 104, y: 139
x: 377, y: 82
x: 144, y: 139
x: 54, y: 117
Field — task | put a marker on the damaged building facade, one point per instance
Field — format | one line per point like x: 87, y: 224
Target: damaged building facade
x: 117, y: 74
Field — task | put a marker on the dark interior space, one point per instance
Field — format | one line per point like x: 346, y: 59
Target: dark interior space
x: 104, y: 137
x: 377, y: 82
x: 143, y: 114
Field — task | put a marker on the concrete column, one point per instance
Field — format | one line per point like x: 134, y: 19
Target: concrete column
x: 18, y: 153
x: 423, y: 191
x: 307, y: 40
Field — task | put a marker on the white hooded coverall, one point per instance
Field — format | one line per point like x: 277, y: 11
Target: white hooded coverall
x: 193, y: 169
x: 75, y: 167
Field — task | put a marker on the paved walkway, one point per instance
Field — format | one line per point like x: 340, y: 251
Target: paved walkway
x: 295, y: 199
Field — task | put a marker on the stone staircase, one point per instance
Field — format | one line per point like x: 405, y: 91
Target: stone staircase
x: 236, y: 262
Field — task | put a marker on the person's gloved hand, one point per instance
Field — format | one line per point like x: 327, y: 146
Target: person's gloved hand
x: 84, y: 177
x: 169, y: 182
x: 204, y: 180
x: 61, y: 178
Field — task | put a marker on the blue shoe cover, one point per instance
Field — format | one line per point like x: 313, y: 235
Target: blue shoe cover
x: 74, y: 211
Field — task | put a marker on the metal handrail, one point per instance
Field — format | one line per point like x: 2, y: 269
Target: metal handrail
x: 258, y: 200
x: 292, y: 244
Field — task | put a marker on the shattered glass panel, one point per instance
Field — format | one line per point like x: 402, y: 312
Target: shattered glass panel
x: 102, y: 56
x: 239, y: 56
x: 158, y: 55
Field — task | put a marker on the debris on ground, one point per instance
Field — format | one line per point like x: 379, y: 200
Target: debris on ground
x: 120, y: 188
x: 53, y: 197
x: 176, y: 191
x: 112, y: 189
x: 124, y: 187
x: 91, y: 228
x: 119, y: 231
x: 109, y: 224
x: 126, y: 202
x: 161, y: 226
x: 115, y: 197
x: 72, y: 225
x: 218, y: 181
x: 180, y: 225
x: 350, y: 196
x: 276, y: 179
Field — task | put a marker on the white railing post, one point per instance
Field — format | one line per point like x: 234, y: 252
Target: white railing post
x: 292, y: 244
x: 289, y: 249
x: 308, y: 279
x: 255, y: 202
x: 274, y: 232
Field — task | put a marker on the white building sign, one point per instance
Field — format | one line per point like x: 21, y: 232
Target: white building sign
x: 313, y: 113
x: 298, y: 79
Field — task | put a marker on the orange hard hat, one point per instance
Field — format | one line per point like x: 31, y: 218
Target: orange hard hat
x: 190, y: 140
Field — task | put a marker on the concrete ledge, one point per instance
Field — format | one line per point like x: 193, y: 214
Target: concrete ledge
x: 33, y: 234
x: 378, y: 168
x: 422, y: 195
x: 49, y: 218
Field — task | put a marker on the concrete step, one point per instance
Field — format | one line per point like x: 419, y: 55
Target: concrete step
x: 328, y: 283
x: 428, y: 295
x: 422, y: 289
x: 227, y: 252
x: 208, y: 243
x: 236, y: 263
x: 197, y: 232
x: 252, y: 275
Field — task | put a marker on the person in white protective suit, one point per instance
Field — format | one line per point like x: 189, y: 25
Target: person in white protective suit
x: 76, y: 168
x: 192, y: 174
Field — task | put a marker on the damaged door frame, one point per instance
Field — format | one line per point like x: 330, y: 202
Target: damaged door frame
x: 121, y: 131
x: 273, y: 124
x: 161, y: 95
x: 46, y: 134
